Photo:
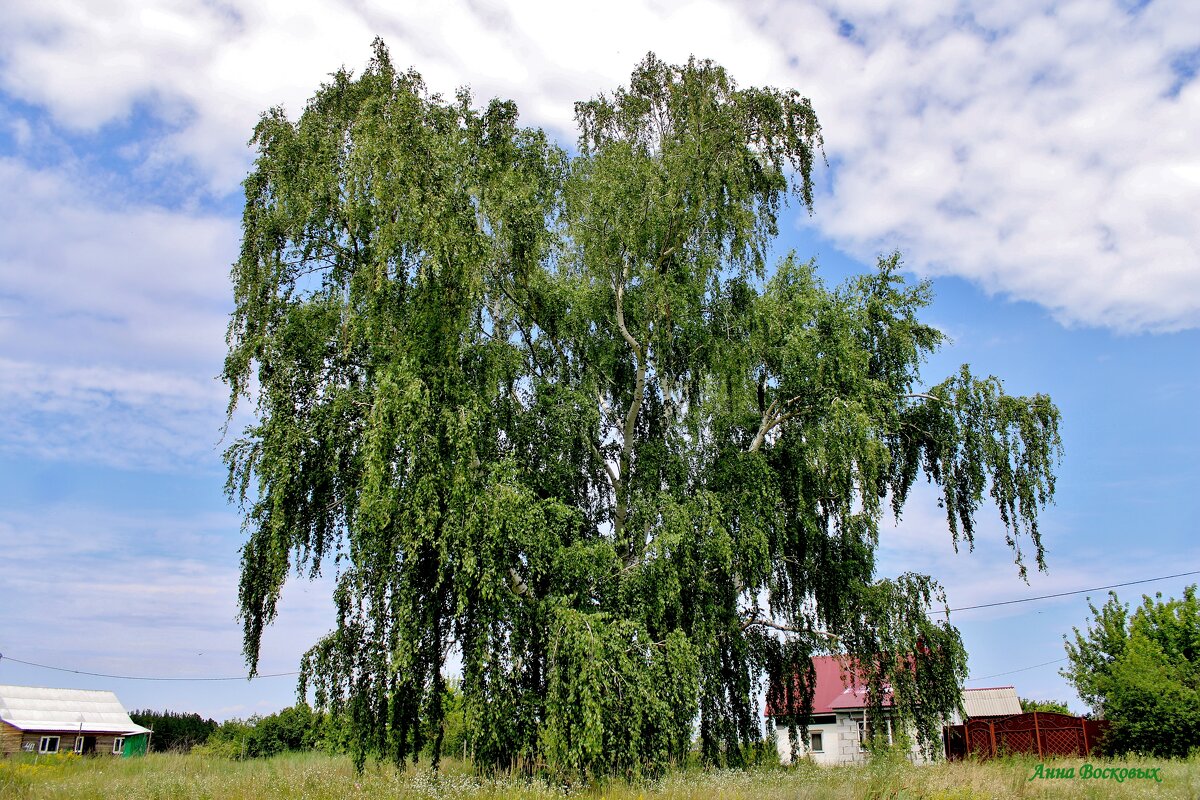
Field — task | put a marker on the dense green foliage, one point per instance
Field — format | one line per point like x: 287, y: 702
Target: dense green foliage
x: 174, y: 731
x: 555, y: 413
x: 1055, y: 706
x: 291, y: 729
x: 1141, y: 672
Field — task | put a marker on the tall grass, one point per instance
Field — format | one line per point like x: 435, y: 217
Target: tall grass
x: 314, y: 776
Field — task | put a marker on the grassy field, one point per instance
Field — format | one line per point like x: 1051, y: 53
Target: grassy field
x: 317, y: 777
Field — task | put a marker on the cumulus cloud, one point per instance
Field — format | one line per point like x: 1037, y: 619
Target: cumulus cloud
x: 1042, y: 150
x: 210, y: 69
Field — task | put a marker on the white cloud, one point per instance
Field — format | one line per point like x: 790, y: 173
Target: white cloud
x: 1042, y: 158
x: 1033, y: 148
x: 110, y: 415
x: 112, y: 323
x: 212, y: 68
x: 1038, y: 152
x: 88, y: 277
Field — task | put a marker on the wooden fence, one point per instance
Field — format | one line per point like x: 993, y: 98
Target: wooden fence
x: 1040, y: 733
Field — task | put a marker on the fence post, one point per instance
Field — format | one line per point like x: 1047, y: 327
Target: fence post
x: 992, y: 735
x: 1037, y: 734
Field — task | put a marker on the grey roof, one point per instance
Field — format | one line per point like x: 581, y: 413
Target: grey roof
x: 31, y: 708
x: 993, y: 702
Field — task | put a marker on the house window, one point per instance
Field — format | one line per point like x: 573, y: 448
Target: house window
x: 118, y: 745
x: 815, y: 743
x: 78, y: 745
x: 48, y: 744
x: 862, y: 733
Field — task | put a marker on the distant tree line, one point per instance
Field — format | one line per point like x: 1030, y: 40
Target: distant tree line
x: 1056, y: 706
x: 174, y: 731
x: 292, y: 729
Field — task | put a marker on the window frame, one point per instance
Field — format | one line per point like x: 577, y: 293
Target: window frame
x: 816, y: 741
x: 78, y: 748
x: 118, y: 745
x: 44, y: 745
x: 862, y: 734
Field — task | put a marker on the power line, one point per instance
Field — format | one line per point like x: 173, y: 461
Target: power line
x: 143, y: 677
x: 1022, y: 669
x: 289, y: 674
x: 1077, y: 591
x: 1059, y: 594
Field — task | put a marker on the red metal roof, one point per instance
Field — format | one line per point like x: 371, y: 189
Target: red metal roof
x: 833, y: 678
x: 832, y: 690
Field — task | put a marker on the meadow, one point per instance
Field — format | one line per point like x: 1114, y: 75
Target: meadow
x: 316, y: 776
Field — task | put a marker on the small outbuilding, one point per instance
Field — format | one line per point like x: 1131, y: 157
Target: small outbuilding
x: 82, y: 721
x: 990, y: 703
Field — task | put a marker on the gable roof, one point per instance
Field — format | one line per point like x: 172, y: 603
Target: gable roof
x: 31, y: 708
x: 832, y: 690
x: 993, y: 701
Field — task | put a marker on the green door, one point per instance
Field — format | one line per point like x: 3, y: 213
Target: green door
x: 135, y: 745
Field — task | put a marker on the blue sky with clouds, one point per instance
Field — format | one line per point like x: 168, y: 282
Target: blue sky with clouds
x: 1038, y: 161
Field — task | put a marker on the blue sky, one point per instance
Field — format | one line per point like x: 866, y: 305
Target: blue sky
x: 1037, y: 161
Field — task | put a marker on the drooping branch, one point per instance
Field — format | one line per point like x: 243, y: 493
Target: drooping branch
x: 783, y: 628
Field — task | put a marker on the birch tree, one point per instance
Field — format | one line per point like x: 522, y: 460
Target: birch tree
x: 558, y: 415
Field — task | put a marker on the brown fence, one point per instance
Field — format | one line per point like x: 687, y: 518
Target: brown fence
x: 1040, y: 733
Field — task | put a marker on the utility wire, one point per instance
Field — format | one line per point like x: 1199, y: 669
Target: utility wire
x: 1013, y: 671
x: 1077, y: 591
x: 143, y: 677
x: 1059, y: 594
x: 288, y: 674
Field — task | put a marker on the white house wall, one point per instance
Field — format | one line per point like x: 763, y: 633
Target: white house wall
x: 840, y: 743
x: 829, y: 755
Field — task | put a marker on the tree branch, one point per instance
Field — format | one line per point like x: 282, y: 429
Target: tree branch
x: 777, y: 626
x: 772, y: 418
x: 619, y: 286
x: 613, y: 479
x: 635, y: 405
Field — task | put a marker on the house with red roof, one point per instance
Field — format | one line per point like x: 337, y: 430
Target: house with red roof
x: 837, y: 728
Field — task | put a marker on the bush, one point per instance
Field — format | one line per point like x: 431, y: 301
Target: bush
x: 291, y: 729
